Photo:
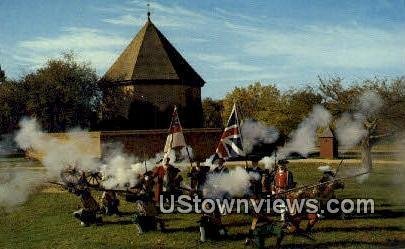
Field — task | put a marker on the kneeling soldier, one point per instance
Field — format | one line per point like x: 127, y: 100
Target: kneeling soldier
x: 88, y: 214
x: 211, y: 226
x: 146, y: 218
x: 110, y: 202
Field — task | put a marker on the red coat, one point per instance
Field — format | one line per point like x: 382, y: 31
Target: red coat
x: 158, y: 173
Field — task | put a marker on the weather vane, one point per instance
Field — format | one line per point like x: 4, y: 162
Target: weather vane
x: 148, y: 7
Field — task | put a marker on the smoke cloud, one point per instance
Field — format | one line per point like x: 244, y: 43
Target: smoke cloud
x: 16, y: 186
x: 269, y: 162
x: 350, y: 129
x: 303, y: 139
x: 234, y: 183
x: 55, y: 153
x: 122, y: 171
x: 255, y: 132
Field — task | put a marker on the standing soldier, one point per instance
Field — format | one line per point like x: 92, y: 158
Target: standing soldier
x: 256, y: 180
x: 198, y: 176
x: 220, y: 168
x: 283, y: 180
x: 168, y: 179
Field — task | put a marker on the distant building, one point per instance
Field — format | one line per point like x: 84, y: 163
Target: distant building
x: 142, y: 86
x: 328, y: 147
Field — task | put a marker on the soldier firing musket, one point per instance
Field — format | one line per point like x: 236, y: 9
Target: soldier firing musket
x: 198, y: 176
x: 88, y: 213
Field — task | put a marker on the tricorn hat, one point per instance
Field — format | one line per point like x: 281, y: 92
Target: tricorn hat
x: 283, y: 162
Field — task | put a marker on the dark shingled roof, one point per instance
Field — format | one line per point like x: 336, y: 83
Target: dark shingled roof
x: 327, y: 133
x: 150, y: 58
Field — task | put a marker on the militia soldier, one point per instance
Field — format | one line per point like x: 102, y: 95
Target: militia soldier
x: 328, y: 173
x: 220, y: 168
x: 145, y: 217
x: 168, y: 179
x: 267, y: 180
x: 283, y: 180
x: 88, y: 214
x: 211, y: 226
x: 262, y: 226
x: 110, y: 202
x: 326, y: 191
x: 198, y: 176
x: 256, y: 181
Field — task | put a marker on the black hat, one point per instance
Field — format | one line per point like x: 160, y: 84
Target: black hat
x: 283, y: 162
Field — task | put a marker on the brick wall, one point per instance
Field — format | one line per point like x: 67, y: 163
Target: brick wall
x: 88, y: 143
x: 141, y: 143
x: 146, y: 143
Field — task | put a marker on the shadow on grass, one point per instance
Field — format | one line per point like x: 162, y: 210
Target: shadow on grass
x: 379, y: 214
x: 355, y: 229
x: 117, y: 222
x: 182, y: 229
x: 347, y: 243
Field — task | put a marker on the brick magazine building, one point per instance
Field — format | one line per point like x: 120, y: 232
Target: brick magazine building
x: 139, y: 92
x: 146, y: 81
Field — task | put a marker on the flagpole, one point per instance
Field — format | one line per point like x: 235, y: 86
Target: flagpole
x: 240, y: 132
x: 171, y: 141
x: 171, y: 122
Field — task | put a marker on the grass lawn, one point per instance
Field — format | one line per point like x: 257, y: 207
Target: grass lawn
x: 46, y: 221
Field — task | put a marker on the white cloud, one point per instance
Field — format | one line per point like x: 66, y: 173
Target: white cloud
x: 327, y: 46
x: 226, y: 63
x: 126, y: 20
x: 74, y: 38
x: 167, y: 15
x: 95, y: 46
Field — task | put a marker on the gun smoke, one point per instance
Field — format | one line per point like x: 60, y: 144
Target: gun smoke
x: 303, y: 140
x: 350, y: 127
x: 255, y: 132
x: 234, y: 183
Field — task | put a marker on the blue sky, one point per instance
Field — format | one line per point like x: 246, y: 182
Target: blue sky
x: 229, y: 43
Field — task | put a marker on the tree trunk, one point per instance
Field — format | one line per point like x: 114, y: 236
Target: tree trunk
x: 366, y: 153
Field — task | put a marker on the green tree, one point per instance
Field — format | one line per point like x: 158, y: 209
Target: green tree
x: 385, y: 122
x: 266, y: 103
x: 63, y: 94
x: 12, y: 105
x: 254, y: 101
x: 212, y: 110
x: 2, y: 75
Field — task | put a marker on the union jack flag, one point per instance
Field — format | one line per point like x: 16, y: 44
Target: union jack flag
x: 175, y: 138
x: 230, y: 145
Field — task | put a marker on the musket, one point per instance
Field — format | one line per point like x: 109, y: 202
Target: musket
x: 338, y: 167
x: 319, y: 184
x: 95, y: 188
x: 58, y: 183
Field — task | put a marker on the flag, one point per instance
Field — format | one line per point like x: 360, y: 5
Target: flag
x: 230, y: 145
x: 175, y: 137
